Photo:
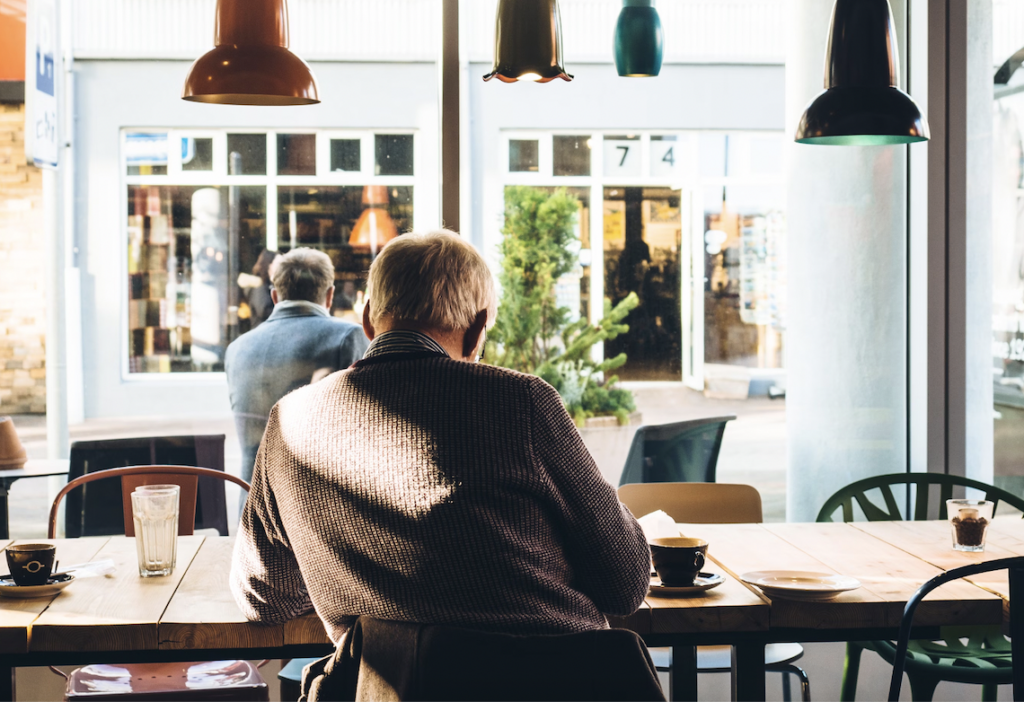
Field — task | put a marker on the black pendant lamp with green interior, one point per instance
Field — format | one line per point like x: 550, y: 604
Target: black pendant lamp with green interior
x: 528, y: 42
x: 639, y: 40
x: 862, y: 104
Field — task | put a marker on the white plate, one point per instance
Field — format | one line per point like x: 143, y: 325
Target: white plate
x: 800, y: 584
x: 703, y: 581
x: 24, y: 592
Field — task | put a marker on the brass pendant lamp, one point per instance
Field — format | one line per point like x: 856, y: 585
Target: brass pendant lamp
x: 528, y: 42
x: 862, y: 104
x: 251, y: 63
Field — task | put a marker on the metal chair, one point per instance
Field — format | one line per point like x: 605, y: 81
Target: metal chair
x: 203, y: 680
x: 1015, y: 566
x: 714, y: 503
x: 984, y: 659
x: 682, y: 452
x: 90, y: 513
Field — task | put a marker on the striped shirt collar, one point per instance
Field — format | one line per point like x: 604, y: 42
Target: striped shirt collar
x: 403, y: 341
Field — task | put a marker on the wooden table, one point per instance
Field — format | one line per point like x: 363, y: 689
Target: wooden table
x: 891, y: 559
x: 31, y: 469
x: 190, y: 615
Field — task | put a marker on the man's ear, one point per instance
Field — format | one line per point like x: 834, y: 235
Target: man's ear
x: 329, y: 298
x: 367, y: 326
x: 273, y: 295
x: 474, y: 335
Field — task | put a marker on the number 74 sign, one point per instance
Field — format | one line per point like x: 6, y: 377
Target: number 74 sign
x: 622, y: 157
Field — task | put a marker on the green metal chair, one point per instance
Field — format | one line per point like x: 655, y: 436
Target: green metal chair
x: 973, y: 655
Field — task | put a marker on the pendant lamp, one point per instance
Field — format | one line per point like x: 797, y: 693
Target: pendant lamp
x: 639, y: 41
x: 374, y: 228
x: 251, y: 63
x: 862, y: 104
x: 528, y: 42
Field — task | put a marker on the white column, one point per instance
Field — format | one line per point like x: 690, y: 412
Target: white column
x: 846, y: 327
x: 978, y: 434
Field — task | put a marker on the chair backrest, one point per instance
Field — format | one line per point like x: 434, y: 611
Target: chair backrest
x: 1015, y: 566
x: 695, y: 503
x: 886, y: 506
x: 187, y: 477
x: 405, y: 661
x: 94, y: 511
x: 681, y: 452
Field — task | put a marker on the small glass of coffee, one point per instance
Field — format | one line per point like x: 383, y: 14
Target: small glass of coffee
x: 969, y: 520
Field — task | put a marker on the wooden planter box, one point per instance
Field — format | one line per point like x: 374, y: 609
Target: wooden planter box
x: 608, y: 442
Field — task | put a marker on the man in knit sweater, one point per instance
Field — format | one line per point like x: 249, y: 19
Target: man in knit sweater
x: 422, y: 486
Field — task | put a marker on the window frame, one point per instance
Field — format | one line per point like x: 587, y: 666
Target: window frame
x: 219, y: 177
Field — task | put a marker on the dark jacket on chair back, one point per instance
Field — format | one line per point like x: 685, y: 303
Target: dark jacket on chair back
x: 383, y: 661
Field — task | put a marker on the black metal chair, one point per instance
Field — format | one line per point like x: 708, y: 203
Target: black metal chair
x: 1015, y: 566
x: 681, y: 452
x: 96, y: 510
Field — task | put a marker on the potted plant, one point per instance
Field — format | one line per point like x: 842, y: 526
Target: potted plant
x: 533, y: 334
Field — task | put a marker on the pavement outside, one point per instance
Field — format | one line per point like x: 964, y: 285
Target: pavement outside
x: 753, y: 450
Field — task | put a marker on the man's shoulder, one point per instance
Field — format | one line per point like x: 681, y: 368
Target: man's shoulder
x: 325, y: 324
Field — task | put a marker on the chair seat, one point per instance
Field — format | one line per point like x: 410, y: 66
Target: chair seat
x: 718, y: 659
x: 208, y: 680
x: 292, y: 671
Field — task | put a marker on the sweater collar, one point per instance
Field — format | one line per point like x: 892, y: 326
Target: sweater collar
x: 403, y: 341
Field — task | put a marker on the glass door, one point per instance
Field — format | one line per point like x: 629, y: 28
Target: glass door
x: 643, y: 255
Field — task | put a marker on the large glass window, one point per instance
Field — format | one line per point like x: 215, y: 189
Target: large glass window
x: 1007, y: 167
x: 204, y: 223
x: 693, y: 224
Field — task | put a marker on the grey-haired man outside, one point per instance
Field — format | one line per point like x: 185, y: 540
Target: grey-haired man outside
x: 298, y: 344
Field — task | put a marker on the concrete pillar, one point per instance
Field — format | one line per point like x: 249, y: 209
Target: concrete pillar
x: 846, y: 346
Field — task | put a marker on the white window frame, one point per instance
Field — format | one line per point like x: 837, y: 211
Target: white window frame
x: 687, y: 180
x: 219, y: 176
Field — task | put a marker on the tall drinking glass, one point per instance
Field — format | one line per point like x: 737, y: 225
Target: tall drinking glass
x: 155, y: 511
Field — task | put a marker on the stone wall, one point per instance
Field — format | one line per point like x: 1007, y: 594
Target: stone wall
x: 22, y: 272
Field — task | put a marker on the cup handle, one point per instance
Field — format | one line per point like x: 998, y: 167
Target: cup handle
x: 698, y: 561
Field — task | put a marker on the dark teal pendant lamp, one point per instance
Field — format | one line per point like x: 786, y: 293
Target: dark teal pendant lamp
x: 528, y: 42
x: 862, y: 104
x: 639, y: 41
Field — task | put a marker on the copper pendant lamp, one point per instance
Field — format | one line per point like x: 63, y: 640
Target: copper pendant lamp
x: 251, y: 63
x: 862, y: 104
x: 374, y: 228
x: 528, y: 42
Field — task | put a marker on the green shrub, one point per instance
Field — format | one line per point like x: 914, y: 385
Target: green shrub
x: 532, y: 333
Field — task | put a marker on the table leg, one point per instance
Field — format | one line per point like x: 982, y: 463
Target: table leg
x: 6, y: 683
x: 748, y: 672
x: 5, y: 529
x: 682, y: 677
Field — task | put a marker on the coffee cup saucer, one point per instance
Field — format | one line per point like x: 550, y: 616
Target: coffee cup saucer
x: 51, y: 587
x: 703, y: 582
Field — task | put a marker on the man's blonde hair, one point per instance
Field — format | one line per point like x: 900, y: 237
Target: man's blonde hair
x: 302, y: 274
x: 433, y: 279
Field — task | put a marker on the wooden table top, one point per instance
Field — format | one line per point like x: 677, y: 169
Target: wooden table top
x: 37, y: 468
x: 190, y: 609
x: 193, y: 609
x: 891, y: 560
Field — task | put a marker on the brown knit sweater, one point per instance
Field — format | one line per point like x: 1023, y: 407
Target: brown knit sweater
x: 418, y: 488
